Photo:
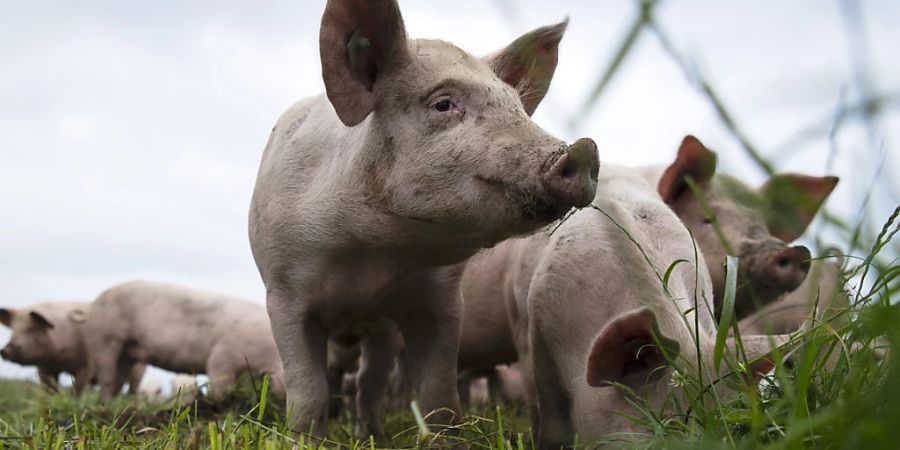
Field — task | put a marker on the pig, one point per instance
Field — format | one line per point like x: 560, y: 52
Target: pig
x: 181, y: 330
x: 753, y: 221
x: 50, y: 336
x: 597, y: 314
x: 755, y: 224
x: 820, y: 299
x: 369, y: 198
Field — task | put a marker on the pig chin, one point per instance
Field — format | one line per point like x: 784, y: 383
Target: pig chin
x: 529, y: 208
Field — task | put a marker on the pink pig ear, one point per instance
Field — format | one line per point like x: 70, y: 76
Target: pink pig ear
x: 630, y: 350
x: 359, y: 41
x: 794, y: 201
x: 528, y: 64
x: 6, y: 316
x: 693, y: 160
x: 40, y: 320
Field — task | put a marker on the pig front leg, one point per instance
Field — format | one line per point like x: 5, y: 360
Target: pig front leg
x: 82, y: 379
x: 49, y: 379
x: 135, y: 375
x: 431, y: 331
x: 302, y: 344
x: 378, y: 354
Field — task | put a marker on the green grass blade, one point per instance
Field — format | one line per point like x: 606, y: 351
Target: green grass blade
x: 731, y: 269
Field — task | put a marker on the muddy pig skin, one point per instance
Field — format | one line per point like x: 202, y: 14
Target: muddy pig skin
x: 50, y: 336
x: 756, y: 224
x: 181, y: 330
x: 586, y: 297
x: 369, y: 197
x: 597, y: 301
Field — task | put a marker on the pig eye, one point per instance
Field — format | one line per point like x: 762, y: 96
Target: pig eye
x: 444, y: 105
x: 707, y: 220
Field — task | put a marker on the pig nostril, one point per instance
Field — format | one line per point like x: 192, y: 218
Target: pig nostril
x: 784, y: 263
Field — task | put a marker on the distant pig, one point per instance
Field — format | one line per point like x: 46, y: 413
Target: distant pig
x: 369, y: 197
x: 181, y: 330
x: 755, y: 224
x: 49, y: 336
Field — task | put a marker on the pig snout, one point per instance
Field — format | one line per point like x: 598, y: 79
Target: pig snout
x: 788, y: 267
x: 572, y: 179
x: 7, y: 352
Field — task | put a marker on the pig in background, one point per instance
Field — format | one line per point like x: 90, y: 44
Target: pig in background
x: 369, y: 197
x: 180, y: 330
x: 756, y: 225
x: 597, y: 315
x: 820, y: 299
x: 51, y: 336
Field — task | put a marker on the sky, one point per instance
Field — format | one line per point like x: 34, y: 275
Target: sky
x: 131, y: 132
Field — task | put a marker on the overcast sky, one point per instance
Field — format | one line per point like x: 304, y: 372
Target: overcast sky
x: 131, y: 132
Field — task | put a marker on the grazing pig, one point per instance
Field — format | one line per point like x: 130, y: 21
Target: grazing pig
x: 600, y: 312
x: 821, y: 296
x: 755, y: 224
x: 50, y: 336
x: 181, y: 330
x: 369, y: 197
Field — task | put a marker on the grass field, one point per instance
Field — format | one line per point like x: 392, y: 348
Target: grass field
x: 837, y: 393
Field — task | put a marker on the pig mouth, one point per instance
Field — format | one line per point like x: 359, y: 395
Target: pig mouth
x: 528, y: 203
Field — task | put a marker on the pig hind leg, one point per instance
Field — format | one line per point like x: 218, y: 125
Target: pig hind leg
x: 378, y: 353
x: 222, y: 369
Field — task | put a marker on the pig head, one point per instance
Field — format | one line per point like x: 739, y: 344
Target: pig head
x: 727, y: 217
x: 44, y: 335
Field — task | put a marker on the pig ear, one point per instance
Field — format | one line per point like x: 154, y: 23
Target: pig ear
x: 793, y: 201
x: 39, y: 319
x: 6, y: 316
x: 359, y: 42
x: 529, y: 62
x: 759, y: 349
x: 693, y: 160
x: 629, y: 350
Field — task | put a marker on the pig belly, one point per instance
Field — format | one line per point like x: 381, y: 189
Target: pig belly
x: 177, y: 355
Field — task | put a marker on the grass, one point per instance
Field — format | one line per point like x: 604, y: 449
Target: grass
x: 838, y: 393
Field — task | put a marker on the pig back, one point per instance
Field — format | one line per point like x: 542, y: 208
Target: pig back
x: 168, y: 326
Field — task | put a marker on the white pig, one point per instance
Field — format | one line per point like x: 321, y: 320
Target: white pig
x: 369, y: 197
x: 589, y: 299
x: 756, y: 224
x: 50, y: 336
x: 181, y: 330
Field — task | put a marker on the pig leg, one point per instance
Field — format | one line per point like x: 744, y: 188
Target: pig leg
x: 302, y: 344
x: 221, y: 371
x: 431, y: 336
x: 49, y: 379
x: 82, y: 379
x: 134, y: 377
x: 378, y: 353
x: 106, y: 363
x: 463, y: 385
x: 549, y: 422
